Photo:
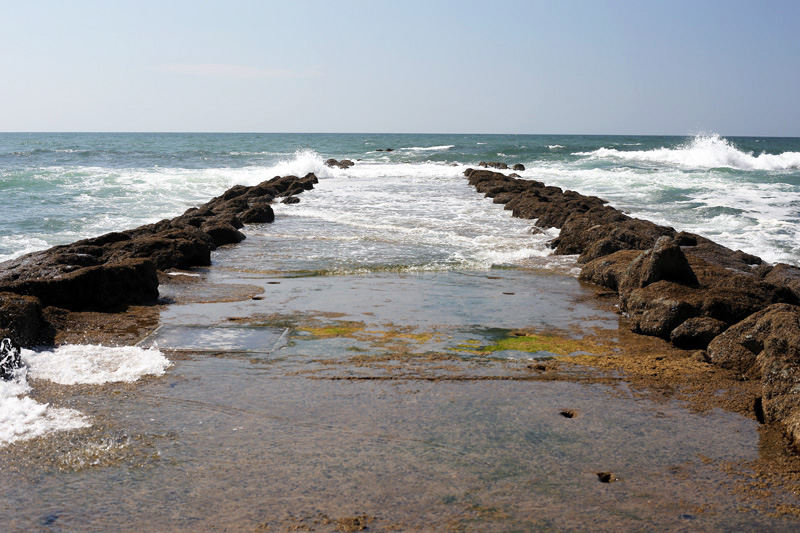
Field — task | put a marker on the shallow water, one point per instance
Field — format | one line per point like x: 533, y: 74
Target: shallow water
x: 353, y: 396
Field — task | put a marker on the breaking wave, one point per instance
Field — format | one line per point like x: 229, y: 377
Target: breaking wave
x: 706, y: 152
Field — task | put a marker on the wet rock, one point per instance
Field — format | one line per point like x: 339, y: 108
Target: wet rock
x: 21, y: 320
x: 608, y: 270
x: 787, y: 276
x: 344, y: 163
x: 222, y: 232
x: 102, y: 287
x: 696, y: 332
x: 766, y: 346
x: 493, y: 164
x: 519, y: 167
x: 291, y: 200
x: 170, y: 249
x: 665, y: 261
x: 118, y: 269
x: 258, y: 214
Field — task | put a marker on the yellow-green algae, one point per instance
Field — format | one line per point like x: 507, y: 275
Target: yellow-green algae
x: 534, y: 343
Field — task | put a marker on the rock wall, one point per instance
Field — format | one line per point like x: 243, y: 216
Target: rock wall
x: 679, y: 286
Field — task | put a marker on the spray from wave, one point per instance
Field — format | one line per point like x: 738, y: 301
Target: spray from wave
x: 703, y: 152
x: 299, y: 164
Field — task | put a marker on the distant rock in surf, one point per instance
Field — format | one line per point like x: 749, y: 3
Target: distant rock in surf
x: 493, y: 164
x: 344, y: 163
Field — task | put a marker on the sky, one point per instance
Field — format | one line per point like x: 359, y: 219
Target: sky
x: 562, y: 66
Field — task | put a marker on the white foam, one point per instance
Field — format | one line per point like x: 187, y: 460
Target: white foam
x: 89, y: 364
x: 703, y: 152
x: 429, y: 148
x: 22, y: 417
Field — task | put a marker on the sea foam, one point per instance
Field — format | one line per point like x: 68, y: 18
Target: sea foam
x: 22, y: 417
x: 704, y: 152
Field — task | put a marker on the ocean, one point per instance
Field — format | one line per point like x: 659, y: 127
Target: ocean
x: 408, y: 208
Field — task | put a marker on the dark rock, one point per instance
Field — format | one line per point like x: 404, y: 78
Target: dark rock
x: 493, y: 164
x: 766, y: 346
x: 102, y: 287
x: 172, y: 249
x: 259, y: 213
x: 21, y: 320
x: 518, y: 167
x: 696, y: 333
x: 607, y: 477
x: 222, y: 232
x: 344, y: 163
x: 665, y: 261
x: 291, y: 200
x: 786, y: 276
x: 607, y: 270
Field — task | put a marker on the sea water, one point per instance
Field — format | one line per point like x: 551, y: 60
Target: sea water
x: 743, y: 192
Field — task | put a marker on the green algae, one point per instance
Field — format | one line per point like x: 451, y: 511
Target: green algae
x: 558, y: 345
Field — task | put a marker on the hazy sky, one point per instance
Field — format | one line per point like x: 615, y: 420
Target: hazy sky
x: 560, y: 66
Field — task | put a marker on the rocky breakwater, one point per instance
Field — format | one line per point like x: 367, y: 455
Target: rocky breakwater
x: 110, y: 272
x: 725, y: 306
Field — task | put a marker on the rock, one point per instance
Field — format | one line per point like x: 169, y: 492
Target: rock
x: 608, y: 270
x: 662, y: 306
x: 21, y: 320
x: 787, y: 276
x: 258, y: 214
x: 738, y: 347
x: 171, y: 249
x: 110, y: 286
x: 766, y: 346
x: 291, y: 200
x: 344, y: 163
x: 493, y: 164
x: 519, y: 167
x: 607, y: 477
x: 696, y: 333
x: 222, y: 232
x: 10, y: 359
x: 665, y: 261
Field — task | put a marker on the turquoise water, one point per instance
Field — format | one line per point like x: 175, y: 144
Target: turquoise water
x: 57, y: 188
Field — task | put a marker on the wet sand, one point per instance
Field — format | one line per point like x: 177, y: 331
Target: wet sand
x: 493, y: 400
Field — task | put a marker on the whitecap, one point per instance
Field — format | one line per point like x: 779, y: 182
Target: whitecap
x: 429, y: 148
x: 703, y: 152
